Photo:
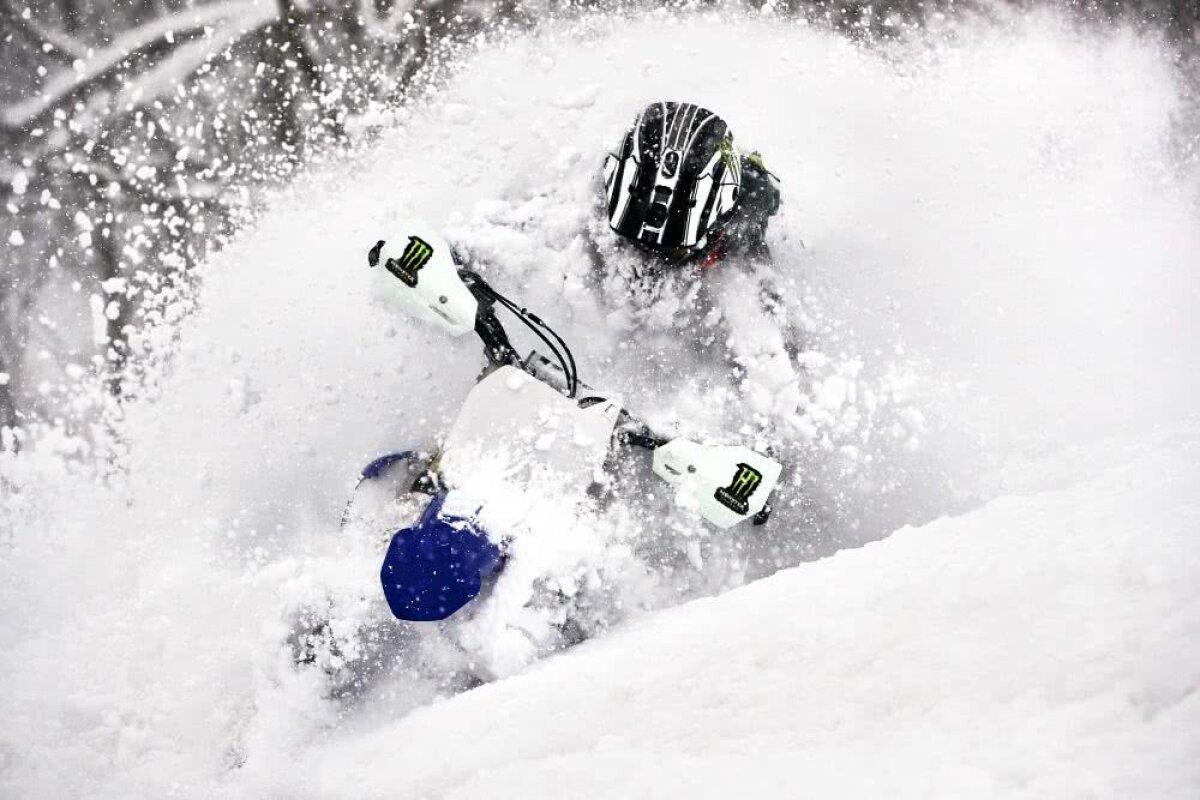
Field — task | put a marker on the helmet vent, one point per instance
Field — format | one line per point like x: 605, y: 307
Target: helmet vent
x: 670, y: 163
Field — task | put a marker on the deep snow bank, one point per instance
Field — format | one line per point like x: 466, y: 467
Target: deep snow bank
x: 1042, y: 646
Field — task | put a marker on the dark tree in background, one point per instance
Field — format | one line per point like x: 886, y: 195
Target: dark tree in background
x: 131, y: 137
x: 134, y: 134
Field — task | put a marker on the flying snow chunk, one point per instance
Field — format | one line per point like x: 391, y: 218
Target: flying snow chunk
x: 99, y: 321
x: 832, y: 393
x: 584, y: 98
x: 458, y: 113
x: 113, y: 285
x: 20, y: 182
x: 16, y: 239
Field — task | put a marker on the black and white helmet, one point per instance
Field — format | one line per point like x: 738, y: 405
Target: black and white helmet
x: 675, y: 178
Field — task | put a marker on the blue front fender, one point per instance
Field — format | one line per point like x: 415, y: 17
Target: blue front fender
x: 437, y: 566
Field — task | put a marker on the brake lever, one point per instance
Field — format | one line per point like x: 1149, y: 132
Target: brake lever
x: 765, y: 514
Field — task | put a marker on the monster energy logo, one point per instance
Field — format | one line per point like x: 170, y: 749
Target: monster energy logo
x: 737, y: 494
x: 728, y: 154
x: 416, y: 255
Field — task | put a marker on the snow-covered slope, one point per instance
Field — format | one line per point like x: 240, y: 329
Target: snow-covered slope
x: 1045, y: 646
x: 990, y: 252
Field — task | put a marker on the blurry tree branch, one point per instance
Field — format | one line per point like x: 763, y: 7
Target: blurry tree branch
x: 134, y: 53
x: 55, y: 44
x: 116, y: 171
x: 292, y: 24
x: 384, y: 24
x: 294, y: 31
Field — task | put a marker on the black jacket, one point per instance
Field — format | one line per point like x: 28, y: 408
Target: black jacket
x: 744, y: 233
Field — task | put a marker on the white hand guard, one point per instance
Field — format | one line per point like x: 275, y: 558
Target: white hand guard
x: 725, y: 484
x: 418, y: 274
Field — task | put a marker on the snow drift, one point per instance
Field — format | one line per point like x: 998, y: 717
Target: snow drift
x: 991, y: 255
x: 1042, y: 646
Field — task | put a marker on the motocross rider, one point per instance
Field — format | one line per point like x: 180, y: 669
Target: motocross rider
x: 683, y: 199
x: 678, y: 193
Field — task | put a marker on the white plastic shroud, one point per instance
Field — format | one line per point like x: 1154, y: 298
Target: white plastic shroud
x: 725, y: 484
x: 417, y: 274
x: 516, y: 429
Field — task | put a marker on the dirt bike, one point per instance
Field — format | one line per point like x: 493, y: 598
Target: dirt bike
x: 531, y: 445
x: 529, y: 423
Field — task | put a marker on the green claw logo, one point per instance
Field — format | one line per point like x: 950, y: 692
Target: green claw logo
x: 737, y: 494
x: 416, y: 255
x: 728, y: 154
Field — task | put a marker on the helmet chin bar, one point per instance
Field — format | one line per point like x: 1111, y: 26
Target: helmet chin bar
x: 664, y: 189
